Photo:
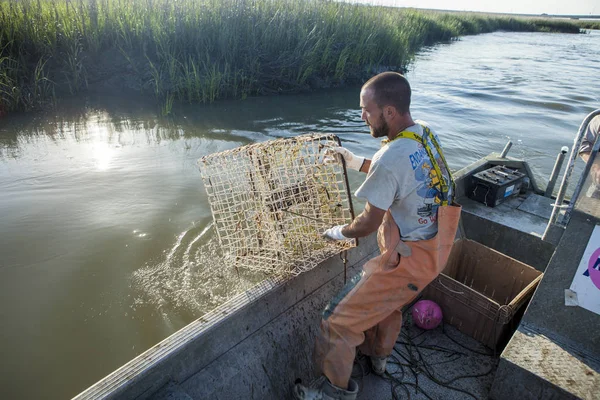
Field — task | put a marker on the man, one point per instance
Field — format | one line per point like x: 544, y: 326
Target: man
x: 415, y: 237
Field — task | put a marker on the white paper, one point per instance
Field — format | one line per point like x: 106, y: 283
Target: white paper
x: 586, y: 282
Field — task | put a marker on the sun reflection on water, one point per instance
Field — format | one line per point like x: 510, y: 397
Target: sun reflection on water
x: 102, y: 155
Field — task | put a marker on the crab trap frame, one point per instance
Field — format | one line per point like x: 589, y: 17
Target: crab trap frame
x: 272, y: 201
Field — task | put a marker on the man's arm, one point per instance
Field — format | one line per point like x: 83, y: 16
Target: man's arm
x: 366, y: 223
x: 365, y: 166
x: 589, y: 138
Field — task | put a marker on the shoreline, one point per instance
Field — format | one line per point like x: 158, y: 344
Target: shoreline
x: 202, y: 51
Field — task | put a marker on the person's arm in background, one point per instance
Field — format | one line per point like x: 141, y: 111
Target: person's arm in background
x: 585, y: 156
x: 594, y: 169
x: 591, y: 133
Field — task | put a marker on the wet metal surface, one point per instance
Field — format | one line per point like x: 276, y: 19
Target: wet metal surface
x: 437, y: 364
x: 537, y: 205
x: 535, y: 366
x: 508, y: 214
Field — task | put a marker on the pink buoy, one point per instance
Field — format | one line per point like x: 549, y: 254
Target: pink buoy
x: 426, y: 314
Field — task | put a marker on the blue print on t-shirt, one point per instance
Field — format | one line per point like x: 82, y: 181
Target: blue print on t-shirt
x: 417, y: 157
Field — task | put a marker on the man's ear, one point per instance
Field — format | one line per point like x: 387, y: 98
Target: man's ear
x: 389, y: 112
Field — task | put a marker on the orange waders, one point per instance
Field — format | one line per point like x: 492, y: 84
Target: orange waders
x: 368, y: 310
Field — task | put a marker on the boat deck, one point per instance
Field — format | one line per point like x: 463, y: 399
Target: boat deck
x: 439, y: 364
x: 526, y: 213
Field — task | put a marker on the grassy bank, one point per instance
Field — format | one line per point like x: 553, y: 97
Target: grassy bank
x: 203, y: 50
x: 588, y: 24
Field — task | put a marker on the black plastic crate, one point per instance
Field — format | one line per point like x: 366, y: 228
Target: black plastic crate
x: 495, y: 185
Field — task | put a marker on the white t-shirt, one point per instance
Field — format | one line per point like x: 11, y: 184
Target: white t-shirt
x: 402, y: 179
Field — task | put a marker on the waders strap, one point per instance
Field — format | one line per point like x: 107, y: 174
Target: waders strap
x: 424, y: 140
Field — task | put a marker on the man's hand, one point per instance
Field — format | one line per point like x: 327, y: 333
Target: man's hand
x: 335, y: 233
x: 352, y: 160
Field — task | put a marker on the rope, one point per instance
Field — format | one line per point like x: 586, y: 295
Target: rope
x: 344, y: 257
x: 407, y: 357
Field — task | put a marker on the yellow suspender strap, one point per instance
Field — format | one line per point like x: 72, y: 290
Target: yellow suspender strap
x: 423, y: 140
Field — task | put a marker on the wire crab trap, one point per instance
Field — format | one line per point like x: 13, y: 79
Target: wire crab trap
x: 272, y: 201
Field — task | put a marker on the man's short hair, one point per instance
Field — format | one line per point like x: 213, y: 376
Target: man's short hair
x: 390, y: 89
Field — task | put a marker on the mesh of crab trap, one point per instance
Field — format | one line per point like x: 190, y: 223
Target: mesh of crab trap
x: 271, y: 202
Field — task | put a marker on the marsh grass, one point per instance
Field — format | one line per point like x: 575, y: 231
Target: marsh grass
x: 588, y: 24
x: 204, y: 50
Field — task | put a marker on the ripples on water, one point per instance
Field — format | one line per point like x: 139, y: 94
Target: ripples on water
x: 191, y: 277
x: 532, y: 88
x: 106, y: 237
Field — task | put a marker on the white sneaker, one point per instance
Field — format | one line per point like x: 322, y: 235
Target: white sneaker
x: 378, y: 365
x: 326, y: 391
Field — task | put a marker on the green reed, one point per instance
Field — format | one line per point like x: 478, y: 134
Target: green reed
x: 588, y: 24
x: 204, y: 50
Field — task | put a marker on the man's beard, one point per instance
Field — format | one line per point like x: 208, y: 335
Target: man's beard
x: 381, y: 130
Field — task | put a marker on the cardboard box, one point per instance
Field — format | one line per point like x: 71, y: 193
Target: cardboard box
x: 481, y: 290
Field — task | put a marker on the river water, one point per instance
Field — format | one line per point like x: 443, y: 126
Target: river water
x: 105, y: 238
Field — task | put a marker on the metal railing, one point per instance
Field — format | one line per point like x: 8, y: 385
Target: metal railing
x: 558, y: 204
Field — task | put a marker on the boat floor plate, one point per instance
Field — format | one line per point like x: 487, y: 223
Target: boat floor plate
x: 508, y: 214
x: 459, y: 364
x: 537, y: 205
x: 556, y: 366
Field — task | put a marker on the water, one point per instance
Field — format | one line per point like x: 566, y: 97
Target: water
x: 106, y: 237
